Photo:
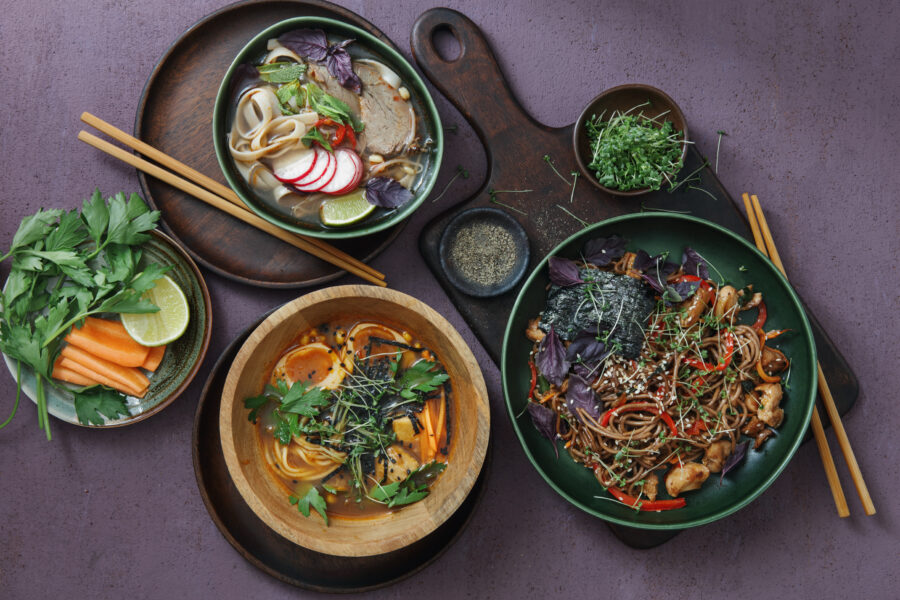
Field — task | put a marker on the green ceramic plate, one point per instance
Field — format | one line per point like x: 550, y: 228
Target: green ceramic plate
x: 740, y: 264
x: 183, y: 356
x: 367, y: 46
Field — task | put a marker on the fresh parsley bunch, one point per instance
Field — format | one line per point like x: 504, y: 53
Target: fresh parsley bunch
x: 67, y: 265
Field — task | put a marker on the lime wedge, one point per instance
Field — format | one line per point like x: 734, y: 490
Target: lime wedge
x: 345, y: 210
x: 164, y: 326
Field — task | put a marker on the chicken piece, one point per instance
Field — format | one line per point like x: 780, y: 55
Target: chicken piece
x: 651, y: 486
x: 404, y: 430
x: 534, y: 332
x: 770, y: 396
x: 694, y: 306
x: 773, y: 360
x: 685, y: 478
x: 715, y: 456
x: 754, y: 301
x: 751, y: 401
x: 726, y: 301
x: 400, y: 463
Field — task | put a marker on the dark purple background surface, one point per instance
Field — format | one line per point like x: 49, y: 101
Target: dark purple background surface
x: 809, y: 94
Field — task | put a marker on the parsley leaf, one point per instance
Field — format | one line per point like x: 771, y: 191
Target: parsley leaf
x: 303, y: 400
x: 421, y: 378
x: 412, y: 489
x: 312, y: 498
x: 92, y: 402
x: 255, y: 403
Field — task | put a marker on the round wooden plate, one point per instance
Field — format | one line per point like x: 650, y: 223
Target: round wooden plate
x: 175, y: 116
x: 272, y: 553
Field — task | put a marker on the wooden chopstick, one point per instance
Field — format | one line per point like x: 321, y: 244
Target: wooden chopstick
x: 223, y: 205
x: 827, y: 399
x: 210, y: 184
x: 818, y: 430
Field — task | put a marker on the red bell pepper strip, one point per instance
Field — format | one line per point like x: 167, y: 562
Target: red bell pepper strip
x: 765, y: 376
x: 697, y: 427
x: 761, y: 319
x: 646, y: 505
x: 729, y: 353
x: 533, y: 379
x: 775, y: 333
x: 339, y: 135
x: 604, y: 421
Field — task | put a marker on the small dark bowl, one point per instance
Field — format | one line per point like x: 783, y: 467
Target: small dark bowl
x: 622, y: 98
x: 496, y: 217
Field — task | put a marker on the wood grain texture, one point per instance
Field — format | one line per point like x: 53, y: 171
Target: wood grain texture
x: 515, y: 146
x: 175, y: 116
x: 469, y: 410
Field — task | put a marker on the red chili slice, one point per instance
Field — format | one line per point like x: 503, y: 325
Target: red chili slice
x: 646, y: 505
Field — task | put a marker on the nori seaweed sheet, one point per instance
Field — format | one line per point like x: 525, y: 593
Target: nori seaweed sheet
x: 570, y: 310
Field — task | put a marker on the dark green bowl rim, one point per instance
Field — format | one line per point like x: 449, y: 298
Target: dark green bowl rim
x: 397, y: 60
x: 811, y: 383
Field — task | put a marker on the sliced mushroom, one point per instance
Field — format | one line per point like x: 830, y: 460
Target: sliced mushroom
x: 754, y: 301
x: 651, y: 486
x: 726, y: 301
x: 534, y: 332
x: 773, y: 360
x: 770, y: 396
x: 716, y: 454
x: 694, y: 306
x: 685, y: 478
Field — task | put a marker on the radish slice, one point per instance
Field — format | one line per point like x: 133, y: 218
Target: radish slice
x: 360, y: 171
x: 293, y: 165
x: 347, y: 172
x: 322, y: 159
x: 327, y: 176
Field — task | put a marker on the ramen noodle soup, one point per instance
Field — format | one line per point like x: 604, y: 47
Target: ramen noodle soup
x: 319, y: 121
x: 354, y: 419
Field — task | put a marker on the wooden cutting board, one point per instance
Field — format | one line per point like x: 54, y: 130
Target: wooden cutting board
x: 515, y: 145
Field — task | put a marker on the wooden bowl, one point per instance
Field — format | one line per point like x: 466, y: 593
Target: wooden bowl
x: 623, y: 98
x: 470, y: 416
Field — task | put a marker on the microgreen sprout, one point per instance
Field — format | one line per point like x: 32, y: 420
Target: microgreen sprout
x: 549, y: 161
x: 460, y: 172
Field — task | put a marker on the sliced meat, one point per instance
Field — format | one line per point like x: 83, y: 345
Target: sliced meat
x: 329, y: 84
x: 390, y: 121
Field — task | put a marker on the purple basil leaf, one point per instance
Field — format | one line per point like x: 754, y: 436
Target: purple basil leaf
x: 563, y: 272
x: 735, y: 458
x: 587, y: 347
x: 387, y: 192
x: 550, y: 359
x: 642, y: 261
x: 693, y: 264
x: 544, y: 420
x: 587, y: 371
x: 657, y: 273
x: 306, y: 43
x: 680, y: 291
x: 602, y: 251
x: 341, y: 66
x: 580, y: 395
x: 245, y: 76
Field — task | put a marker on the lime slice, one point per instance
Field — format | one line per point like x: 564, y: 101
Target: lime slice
x: 345, y: 210
x: 164, y: 326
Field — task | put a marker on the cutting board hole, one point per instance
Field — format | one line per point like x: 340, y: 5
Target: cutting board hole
x: 446, y: 44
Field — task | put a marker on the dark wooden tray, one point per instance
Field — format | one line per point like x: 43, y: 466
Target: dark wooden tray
x: 175, y: 116
x: 275, y: 555
x: 515, y: 145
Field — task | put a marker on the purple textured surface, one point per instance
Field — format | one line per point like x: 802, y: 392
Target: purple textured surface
x: 809, y: 95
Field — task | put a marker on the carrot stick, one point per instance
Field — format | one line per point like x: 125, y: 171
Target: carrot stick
x: 95, y: 377
x: 130, y: 377
x: 107, y: 343
x: 63, y: 374
x: 154, y: 357
x: 439, y: 433
x: 431, y: 441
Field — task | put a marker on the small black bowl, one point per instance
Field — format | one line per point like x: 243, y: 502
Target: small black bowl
x: 497, y: 255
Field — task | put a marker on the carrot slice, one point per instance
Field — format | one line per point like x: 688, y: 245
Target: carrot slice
x: 95, y: 377
x: 431, y: 441
x: 63, y: 374
x: 102, y: 339
x: 130, y: 377
x: 154, y: 357
x: 440, y: 430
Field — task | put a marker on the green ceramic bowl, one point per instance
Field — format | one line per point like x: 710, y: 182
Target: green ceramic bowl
x: 368, y: 46
x: 740, y: 264
x: 183, y: 356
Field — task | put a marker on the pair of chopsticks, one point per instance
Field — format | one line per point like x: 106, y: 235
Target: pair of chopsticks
x: 215, y: 194
x: 763, y: 237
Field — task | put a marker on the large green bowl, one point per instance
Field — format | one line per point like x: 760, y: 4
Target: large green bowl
x: 374, y: 48
x: 740, y: 264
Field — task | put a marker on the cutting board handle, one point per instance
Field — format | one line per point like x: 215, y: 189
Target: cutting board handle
x: 473, y: 81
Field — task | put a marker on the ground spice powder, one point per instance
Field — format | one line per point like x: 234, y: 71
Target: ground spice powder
x: 484, y: 253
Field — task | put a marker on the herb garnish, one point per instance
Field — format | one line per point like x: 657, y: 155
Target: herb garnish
x: 312, y: 498
x: 412, y: 489
x: 66, y: 266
